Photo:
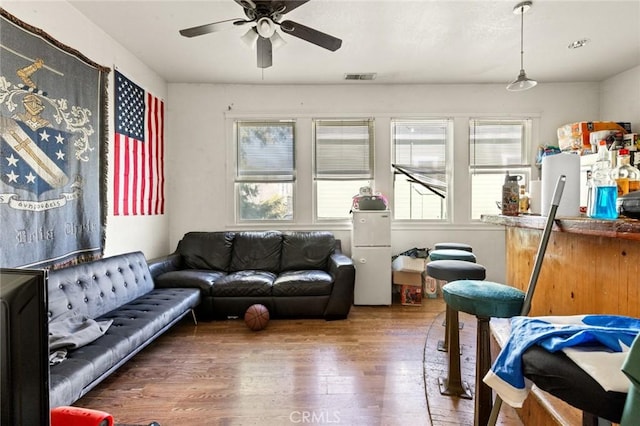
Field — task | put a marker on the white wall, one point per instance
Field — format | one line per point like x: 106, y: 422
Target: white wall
x: 64, y: 23
x: 197, y: 157
x: 620, y: 98
x: 197, y: 143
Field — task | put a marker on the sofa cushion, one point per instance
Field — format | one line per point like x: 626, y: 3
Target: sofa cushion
x: 94, y: 288
x: 306, y: 250
x: 206, y: 250
x: 244, y: 283
x: 194, y: 278
x: 303, y: 283
x: 256, y: 251
x: 135, y: 324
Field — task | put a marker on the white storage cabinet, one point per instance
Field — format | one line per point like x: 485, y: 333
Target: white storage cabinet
x: 371, y: 254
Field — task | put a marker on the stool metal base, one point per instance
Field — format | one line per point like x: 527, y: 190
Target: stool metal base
x: 443, y: 345
x: 462, y: 391
x: 453, y: 384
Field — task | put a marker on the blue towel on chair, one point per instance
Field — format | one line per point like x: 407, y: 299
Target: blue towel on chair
x: 612, y: 333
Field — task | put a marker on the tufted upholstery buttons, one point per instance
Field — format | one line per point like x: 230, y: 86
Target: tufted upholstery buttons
x: 69, y: 306
x: 126, y: 285
x: 101, y: 294
x: 94, y: 277
x: 113, y: 289
x: 108, y: 273
x: 60, y: 286
x: 86, y: 299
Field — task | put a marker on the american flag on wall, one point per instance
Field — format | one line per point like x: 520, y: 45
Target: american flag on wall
x: 139, y: 150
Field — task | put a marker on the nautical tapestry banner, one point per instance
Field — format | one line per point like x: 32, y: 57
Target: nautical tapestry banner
x: 52, y: 150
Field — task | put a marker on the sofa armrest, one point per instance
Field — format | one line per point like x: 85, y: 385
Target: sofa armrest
x: 161, y: 265
x: 344, y: 275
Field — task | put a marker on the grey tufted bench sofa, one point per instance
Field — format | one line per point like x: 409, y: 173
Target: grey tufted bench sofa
x: 118, y: 288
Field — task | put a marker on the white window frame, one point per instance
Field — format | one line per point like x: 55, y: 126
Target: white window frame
x: 447, y: 166
x: 239, y: 179
x: 523, y: 167
x: 366, y: 178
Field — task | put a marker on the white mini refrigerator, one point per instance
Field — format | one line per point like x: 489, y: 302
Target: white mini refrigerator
x: 371, y: 254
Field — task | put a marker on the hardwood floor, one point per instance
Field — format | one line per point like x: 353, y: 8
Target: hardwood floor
x: 366, y: 370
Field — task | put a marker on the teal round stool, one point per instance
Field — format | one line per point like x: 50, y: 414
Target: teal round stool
x: 451, y: 270
x: 484, y: 299
x: 455, y: 246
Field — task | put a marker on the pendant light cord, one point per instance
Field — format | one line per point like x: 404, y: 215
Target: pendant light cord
x: 522, y: 37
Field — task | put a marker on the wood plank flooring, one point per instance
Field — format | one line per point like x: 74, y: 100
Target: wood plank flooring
x: 366, y: 370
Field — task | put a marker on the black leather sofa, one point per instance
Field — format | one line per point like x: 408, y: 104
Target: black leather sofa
x: 294, y: 274
x: 119, y: 290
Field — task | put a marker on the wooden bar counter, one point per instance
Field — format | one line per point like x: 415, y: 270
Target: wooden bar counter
x: 591, y: 266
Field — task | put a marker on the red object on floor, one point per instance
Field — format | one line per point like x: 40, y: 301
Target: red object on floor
x: 76, y: 416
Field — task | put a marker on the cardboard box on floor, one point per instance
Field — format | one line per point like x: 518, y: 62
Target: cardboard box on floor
x: 410, y: 284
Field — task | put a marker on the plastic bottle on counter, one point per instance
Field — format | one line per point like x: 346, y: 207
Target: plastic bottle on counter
x: 510, y: 195
x: 604, y: 192
x: 626, y: 176
x: 524, y: 199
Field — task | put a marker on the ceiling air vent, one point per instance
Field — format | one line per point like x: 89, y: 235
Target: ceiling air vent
x: 362, y: 76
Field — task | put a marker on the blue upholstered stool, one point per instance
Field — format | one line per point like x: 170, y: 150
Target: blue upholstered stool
x: 484, y: 299
x: 455, y: 246
x: 451, y: 270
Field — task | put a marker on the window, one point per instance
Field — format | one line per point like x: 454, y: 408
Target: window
x: 343, y: 164
x: 265, y: 170
x: 495, y: 148
x: 420, y: 154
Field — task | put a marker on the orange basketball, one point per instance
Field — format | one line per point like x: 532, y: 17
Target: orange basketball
x: 256, y: 317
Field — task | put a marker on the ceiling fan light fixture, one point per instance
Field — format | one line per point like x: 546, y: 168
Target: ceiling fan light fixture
x: 265, y: 27
x: 277, y: 41
x: 522, y: 82
x: 250, y: 38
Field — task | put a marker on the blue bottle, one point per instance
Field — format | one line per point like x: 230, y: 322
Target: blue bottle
x: 604, y: 193
x: 604, y: 205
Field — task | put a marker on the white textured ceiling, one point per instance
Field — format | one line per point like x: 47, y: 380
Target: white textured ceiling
x: 403, y: 41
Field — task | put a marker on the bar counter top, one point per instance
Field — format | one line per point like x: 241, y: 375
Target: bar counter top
x: 624, y: 228
x: 590, y: 266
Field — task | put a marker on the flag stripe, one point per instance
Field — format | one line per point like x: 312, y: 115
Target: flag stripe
x: 116, y: 173
x: 139, y: 151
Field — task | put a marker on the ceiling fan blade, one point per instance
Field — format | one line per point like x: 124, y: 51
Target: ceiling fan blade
x: 213, y: 27
x: 264, y: 49
x: 247, y: 4
x: 312, y: 36
x: 286, y: 6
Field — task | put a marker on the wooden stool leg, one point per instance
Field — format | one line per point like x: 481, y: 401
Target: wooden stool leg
x: 453, y: 385
x: 484, y: 396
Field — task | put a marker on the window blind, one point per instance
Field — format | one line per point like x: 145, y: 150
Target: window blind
x: 343, y: 149
x: 265, y: 150
x: 497, y: 143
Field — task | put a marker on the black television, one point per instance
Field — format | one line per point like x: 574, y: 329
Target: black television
x: 24, y: 347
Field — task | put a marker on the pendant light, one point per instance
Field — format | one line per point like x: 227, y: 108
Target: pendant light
x: 522, y: 82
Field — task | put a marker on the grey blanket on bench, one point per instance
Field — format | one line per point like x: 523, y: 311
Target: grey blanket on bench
x: 71, y: 333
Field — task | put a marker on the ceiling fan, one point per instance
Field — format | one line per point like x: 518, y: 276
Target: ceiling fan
x: 264, y: 17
